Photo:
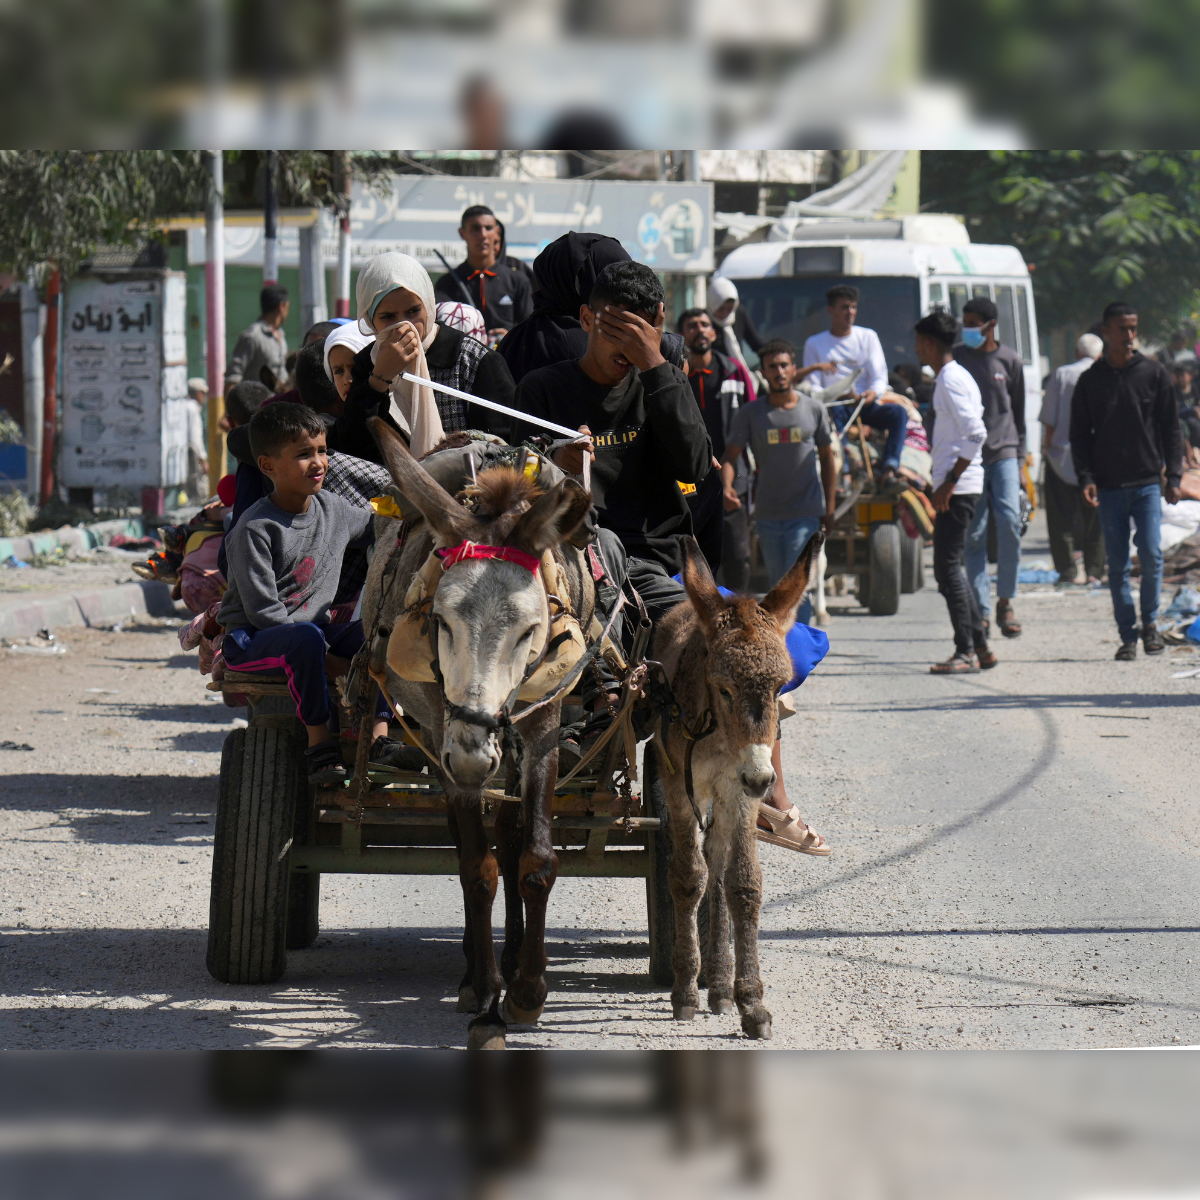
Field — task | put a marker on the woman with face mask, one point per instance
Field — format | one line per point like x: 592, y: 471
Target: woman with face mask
x: 397, y: 312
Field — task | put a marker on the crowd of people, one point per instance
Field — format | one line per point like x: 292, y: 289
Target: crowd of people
x: 683, y: 436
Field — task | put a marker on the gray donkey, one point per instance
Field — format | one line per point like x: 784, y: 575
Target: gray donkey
x: 487, y: 615
x: 726, y: 661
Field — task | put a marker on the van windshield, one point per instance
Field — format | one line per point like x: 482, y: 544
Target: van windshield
x: 794, y: 309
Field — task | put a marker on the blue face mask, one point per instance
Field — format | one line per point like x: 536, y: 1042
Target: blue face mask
x: 974, y: 338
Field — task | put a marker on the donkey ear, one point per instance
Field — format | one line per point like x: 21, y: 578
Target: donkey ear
x: 701, y: 589
x: 552, y: 517
x: 446, y: 517
x: 784, y: 598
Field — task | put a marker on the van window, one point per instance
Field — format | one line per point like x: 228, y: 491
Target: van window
x: 935, y: 297
x: 981, y: 290
x: 1006, y: 324
x: 794, y: 309
x: 1023, y: 322
x: 958, y: 297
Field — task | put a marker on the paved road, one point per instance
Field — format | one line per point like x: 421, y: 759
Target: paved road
x: 1008, y: 847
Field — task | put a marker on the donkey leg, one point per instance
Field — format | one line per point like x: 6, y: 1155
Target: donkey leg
x: 720, y: 955
x: 468, y: 998
x: 686, y: 878
x: 508, y: 850
x: 820, y: 612
x: 744, y: 886
x: 478, y: 873
x: 538, y: 869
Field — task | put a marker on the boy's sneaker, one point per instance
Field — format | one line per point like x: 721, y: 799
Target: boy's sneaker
x: 325, y: 765
x: 1152, y: 640
x: 1127, y: 652
x: 400, y: 756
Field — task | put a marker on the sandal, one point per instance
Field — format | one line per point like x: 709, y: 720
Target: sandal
x: 325, y: 765
x: 958, y: 664
x: 400, y: 756
x: 986, y: 658
x: 162, y: 565
x: 787, y: 829
x: 1004, y: 618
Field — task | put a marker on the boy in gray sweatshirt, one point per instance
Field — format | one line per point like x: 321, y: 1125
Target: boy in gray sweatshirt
x: 285, y: 556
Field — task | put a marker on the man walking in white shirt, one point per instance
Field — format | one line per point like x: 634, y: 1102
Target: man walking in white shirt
x: 958, y: 437
x: 850, y: 347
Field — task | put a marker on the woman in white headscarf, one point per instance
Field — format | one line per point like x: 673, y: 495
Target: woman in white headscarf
x: 397, y: 310
x: 732, y: 322
x: 341, y: 346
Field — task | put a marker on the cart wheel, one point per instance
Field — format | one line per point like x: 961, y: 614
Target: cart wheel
x: 883, y: 548
x: 248, y: 909
x: 912, y: 563
x: 659, y: 906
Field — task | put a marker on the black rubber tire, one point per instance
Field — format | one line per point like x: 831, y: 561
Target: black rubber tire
x: 659, y: 906
x: 248, y: 909
x: 912, y: 563
x: 883, y: 549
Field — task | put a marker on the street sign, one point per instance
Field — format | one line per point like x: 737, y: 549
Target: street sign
x: 124, y: 420
x: 667, y: 226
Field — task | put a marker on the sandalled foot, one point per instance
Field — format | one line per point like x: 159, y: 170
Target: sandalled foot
x: 487, y: 1035
x: 757, y: 1026
x: 721, y: 1005
x: 468, y: 1002
x: 521, y: 1016
x: 683, y: 1012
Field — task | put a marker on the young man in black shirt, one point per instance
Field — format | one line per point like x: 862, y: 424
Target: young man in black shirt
x: 503, y: 295
x: 720, y: 387
x: 1124, y: 437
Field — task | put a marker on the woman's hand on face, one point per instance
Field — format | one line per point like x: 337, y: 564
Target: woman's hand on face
x: 398, y: 352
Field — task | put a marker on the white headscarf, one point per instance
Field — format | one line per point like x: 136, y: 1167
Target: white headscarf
x: 721, y: 289
x: 348, y: 335
x: 465, y: 317
x: 413, y: 408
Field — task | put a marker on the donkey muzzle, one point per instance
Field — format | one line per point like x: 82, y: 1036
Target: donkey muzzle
x: 755, y: 773
x: 470, y: 751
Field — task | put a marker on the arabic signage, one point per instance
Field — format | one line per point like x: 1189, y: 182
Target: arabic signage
x: 668, y: 226
x: 125, y: 382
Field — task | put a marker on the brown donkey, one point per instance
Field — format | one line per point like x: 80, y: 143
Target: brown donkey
x: 726, y: 661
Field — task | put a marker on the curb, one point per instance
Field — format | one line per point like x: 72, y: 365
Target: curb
x: 85, y: 537
x: 99, y: 606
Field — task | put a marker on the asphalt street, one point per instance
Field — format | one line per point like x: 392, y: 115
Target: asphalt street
x: 1016, y: 861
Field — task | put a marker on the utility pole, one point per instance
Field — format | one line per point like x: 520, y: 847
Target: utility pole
x: 32, y: 367
x: 342, y: 292
x: 214, y: 307
x: 50, y: 374
x: 270, y: 223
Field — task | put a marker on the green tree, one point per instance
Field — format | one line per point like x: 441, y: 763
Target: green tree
x: 57, y: 206
x: 1094, y: 225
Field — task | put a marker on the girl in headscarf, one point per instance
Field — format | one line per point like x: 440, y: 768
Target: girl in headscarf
x: 732, y: 322
x: 397, y: 311
x: 340, y: 348
x: 563, y: 275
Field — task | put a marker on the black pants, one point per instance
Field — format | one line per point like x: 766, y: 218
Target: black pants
x: 708, y: 518
x: 659, y: 592
x: 949, y: 548
x: 1071, y: 523
x: 735, y: 556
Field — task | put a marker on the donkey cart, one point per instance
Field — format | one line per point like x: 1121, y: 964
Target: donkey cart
x: 276, y: 836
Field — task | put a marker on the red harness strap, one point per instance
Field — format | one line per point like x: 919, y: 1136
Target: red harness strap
x: 468, y: 550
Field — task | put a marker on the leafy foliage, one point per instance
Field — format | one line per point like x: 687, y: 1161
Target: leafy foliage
x: 1096, y: 225
x: 59, y: 205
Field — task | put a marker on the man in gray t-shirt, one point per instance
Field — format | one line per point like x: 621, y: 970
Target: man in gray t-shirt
x: 789, y: 435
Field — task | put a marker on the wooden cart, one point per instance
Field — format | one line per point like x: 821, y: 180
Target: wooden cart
x: 870, y: 542
x: 276, y: 836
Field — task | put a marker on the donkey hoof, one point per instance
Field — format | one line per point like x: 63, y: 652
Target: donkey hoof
x: 758, y: 1028
x: 521, y: 1016
x: 683, y: 1012
x: 721, y: 1005
x: 485, y: 1037
x: 468, y: 1002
